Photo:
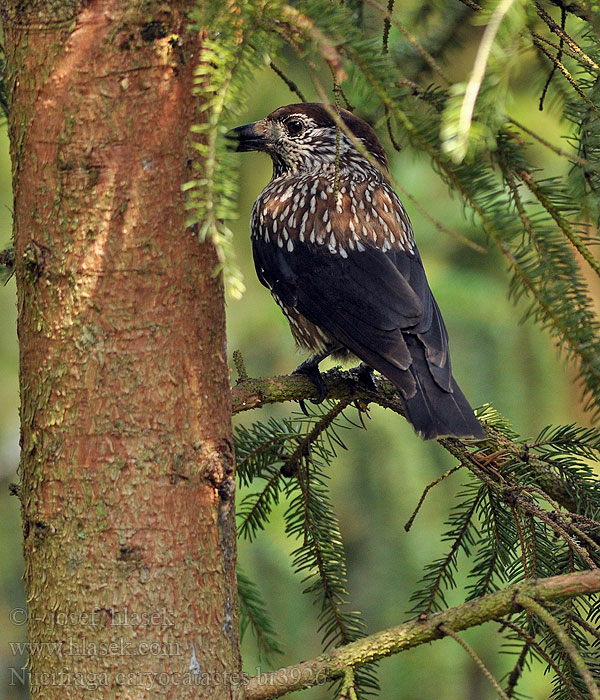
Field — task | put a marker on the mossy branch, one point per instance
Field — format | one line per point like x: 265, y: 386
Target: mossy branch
x: 419, y: 631
x: 249, y: 393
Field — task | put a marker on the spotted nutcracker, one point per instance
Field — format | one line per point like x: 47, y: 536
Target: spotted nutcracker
x: 342, y: 263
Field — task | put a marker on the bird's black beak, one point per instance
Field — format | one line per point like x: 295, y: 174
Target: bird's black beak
x: 246, y: 138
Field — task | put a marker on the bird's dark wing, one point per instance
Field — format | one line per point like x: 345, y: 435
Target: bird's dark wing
x: 348, y: 263
x: 351, y: 268
x: 367, y: 301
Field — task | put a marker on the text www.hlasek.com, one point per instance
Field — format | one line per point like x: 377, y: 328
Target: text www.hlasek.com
x: 85, y: 647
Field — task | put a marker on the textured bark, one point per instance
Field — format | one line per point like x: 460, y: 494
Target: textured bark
x: 127, y: 472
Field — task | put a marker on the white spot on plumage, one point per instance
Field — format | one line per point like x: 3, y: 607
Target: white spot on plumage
x: 360, y: 247
x: 343, y: 252
x: 290, y: 245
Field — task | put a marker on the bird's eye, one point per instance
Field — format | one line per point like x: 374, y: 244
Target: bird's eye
x: 294, y: 126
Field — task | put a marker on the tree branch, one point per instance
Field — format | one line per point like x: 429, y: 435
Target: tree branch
x: 250, y: 393
x: 418, y: 631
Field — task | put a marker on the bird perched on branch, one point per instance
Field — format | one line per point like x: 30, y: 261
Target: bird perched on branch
x: 334, y: 245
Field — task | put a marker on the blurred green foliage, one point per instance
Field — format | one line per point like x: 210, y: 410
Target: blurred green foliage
x: 378, y: 481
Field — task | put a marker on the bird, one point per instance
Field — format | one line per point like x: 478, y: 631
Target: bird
x: 334, y: 245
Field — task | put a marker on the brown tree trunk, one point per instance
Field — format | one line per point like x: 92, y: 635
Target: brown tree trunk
x: 126, y: 463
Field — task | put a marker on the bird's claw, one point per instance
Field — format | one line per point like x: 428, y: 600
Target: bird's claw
x: 310, y: 370
x: 364, y: 375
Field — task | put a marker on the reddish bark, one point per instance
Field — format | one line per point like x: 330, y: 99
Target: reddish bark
x: 127, y: 471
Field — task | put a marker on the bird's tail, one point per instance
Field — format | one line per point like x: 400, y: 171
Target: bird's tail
x: 435, y: 412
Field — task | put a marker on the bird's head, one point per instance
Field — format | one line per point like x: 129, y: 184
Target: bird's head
x: 303, y: 137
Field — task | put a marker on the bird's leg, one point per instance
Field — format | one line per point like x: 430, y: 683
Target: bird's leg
x: 310, y: 368
x: 364, y: 374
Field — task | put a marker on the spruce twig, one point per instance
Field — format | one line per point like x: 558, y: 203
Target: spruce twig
x: 529, y: 603
x: 428, y: 488
x: 476, y: 658
x: 559, y: 56
x: 288, y: 81
x: 566, y: 38
x: 563, y: 224
x: 566, y: 73
x: 517, y: 671
x: 543, y: 654
x: 559, y: 151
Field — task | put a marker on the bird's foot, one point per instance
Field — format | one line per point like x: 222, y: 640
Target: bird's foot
x: 364, y: 374
x: 309, y: 368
